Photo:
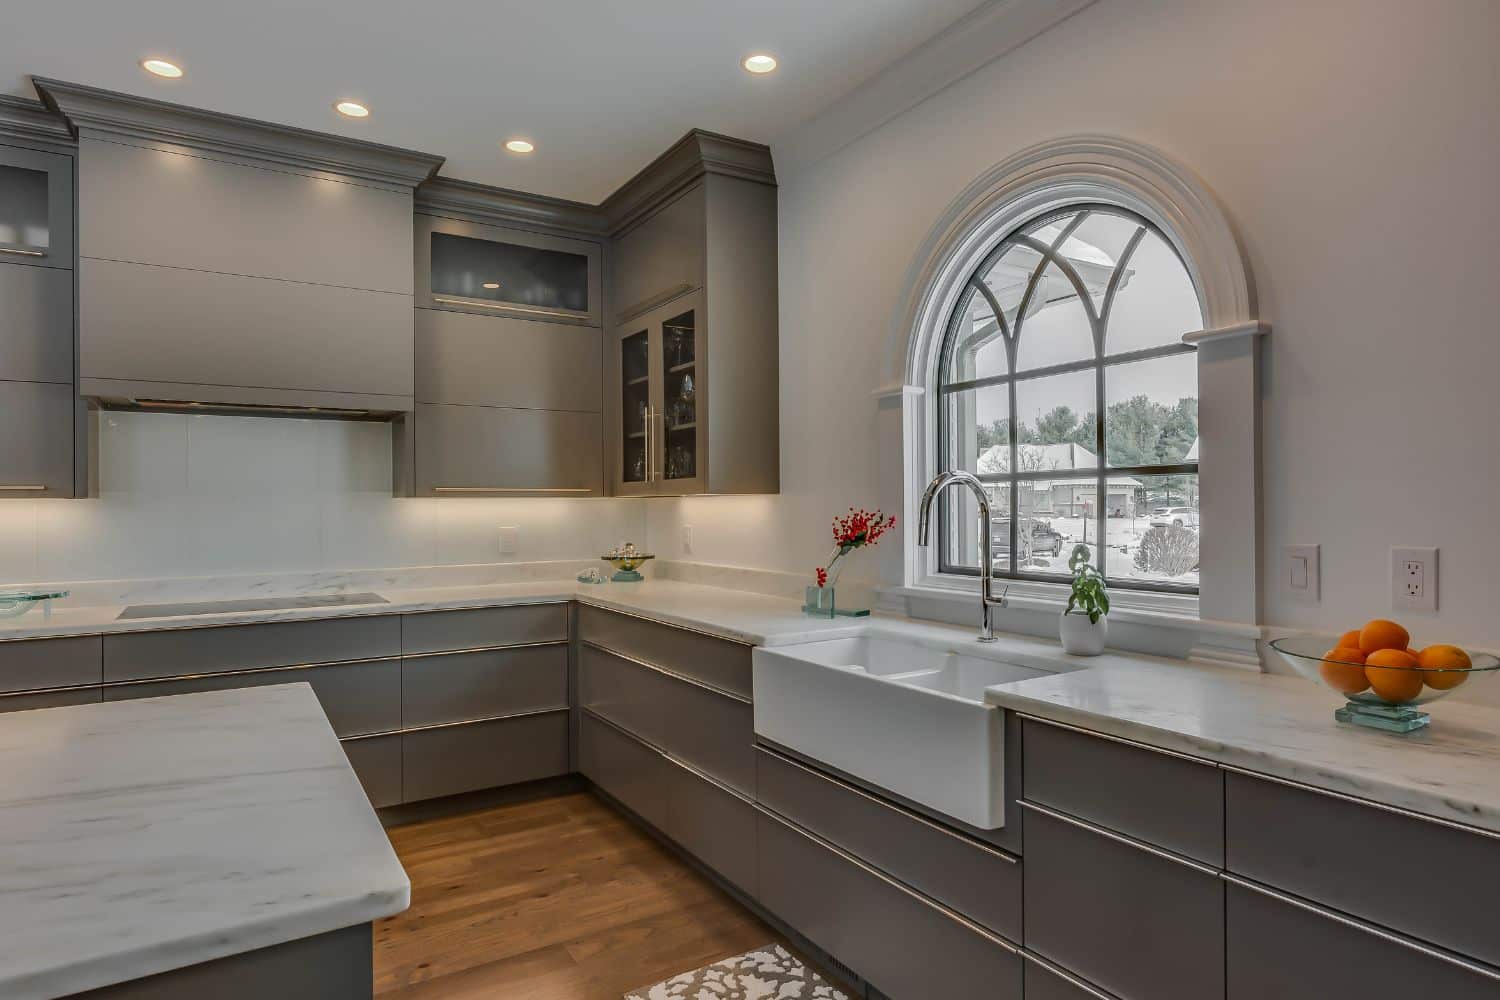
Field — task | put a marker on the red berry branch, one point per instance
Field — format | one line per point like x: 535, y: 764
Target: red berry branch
x: 854, y: 530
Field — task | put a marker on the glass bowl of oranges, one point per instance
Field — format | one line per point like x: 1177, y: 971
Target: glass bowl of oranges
x: 1382, y: 676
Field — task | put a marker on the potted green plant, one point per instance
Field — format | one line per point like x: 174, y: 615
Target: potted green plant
x: 1084, y: 625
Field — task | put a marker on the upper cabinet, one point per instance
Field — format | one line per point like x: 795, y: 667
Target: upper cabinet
x: 692, y: 365
x: 40, y: 427
x: 236, y: 263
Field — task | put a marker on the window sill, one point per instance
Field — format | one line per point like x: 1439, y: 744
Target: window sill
x: 1146, y: 607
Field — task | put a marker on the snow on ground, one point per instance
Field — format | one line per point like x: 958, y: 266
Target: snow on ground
x: 1123, y: 538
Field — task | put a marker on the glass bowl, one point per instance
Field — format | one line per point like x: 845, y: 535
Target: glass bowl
x: 626, y: 566
x: 1389, y: 703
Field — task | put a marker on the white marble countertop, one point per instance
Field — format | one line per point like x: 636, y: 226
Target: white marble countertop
x: 1276, y: 725
x: 732, y: 614
x: 143, y: 836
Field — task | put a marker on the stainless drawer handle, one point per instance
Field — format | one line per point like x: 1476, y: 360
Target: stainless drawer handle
x: 1120, y: 838
x: 1066, y: 977
x: 24, y: 251
x: 526, y: 490
x: 890, y: 806
x: 1360, y: 925
x: 1117, y: 739
x: 710, y: 688
x: 22, y: 488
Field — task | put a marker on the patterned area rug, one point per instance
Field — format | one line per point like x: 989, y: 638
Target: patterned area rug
x: 769, y: 973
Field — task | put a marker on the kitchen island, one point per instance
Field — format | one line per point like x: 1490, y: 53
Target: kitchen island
x: 213, y: 844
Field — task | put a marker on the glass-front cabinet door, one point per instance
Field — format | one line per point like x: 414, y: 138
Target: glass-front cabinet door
x: 662, y: 433
x: 36, y: 207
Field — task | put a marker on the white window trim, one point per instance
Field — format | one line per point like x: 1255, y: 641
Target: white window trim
x: 1119, y: 172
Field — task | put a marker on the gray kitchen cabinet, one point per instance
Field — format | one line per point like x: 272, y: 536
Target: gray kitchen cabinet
x: 468, y: 360
x: 712, y: 823
x: 37, y: 439
x: 443, y: 688
x: 216, y: 648
x: 450, y: 760
x: 479, y: 628
x: 1326, y: 848
x: 68, y: 661
x: 377, y: 763
x: 36, y: 205
x: 694, y: 295
x: 629, y: 771
x: 25, y: 701
x: 36, y: 323
x: 1141, y: 923
x: 904, y: 944
x: 1162, y: 798
x: 1045, y: 981
x: 720, y: 663
x: 1285, y: 948
x: 496, y: 451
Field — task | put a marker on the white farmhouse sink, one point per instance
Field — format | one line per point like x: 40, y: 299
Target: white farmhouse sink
x: 898, y: 709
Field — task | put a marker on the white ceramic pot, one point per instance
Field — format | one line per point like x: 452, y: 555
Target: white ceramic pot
x: 1080, y: 636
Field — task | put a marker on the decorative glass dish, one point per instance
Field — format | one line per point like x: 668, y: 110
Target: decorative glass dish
x: 1378, y: 695
x: 14, y: 603
x: 626, y: 559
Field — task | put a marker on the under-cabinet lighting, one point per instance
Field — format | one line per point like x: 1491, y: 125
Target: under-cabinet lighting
x: 760, y: 63
x: 162, y: 68
x: 510, y: 489
x: 520, y: 146
x: 352, y: 109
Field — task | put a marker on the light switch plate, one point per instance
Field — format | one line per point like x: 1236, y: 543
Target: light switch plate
x: 687, y: 539
x: 510, y: 541
x: 1301, y: 575
x: 1414, y: 578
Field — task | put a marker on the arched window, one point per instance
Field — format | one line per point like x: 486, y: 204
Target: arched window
x: 1065, y: 385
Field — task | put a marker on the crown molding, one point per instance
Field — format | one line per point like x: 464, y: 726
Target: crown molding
x: 505, y: 207
x: 97, y: 113
x: 32, y: 122
x: 692, y: 156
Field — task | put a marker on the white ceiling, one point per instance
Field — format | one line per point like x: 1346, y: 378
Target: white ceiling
x: 601, y: 86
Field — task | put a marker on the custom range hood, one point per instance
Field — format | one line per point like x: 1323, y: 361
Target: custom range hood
x: 233, y: 265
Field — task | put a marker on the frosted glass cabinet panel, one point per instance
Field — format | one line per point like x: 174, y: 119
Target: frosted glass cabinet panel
x: 36, y: 207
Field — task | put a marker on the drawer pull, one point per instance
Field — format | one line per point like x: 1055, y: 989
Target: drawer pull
x: 876, y: 873
x: 1360, y: 925
x: 892, y: 807
x: 1066, y: 977
x: 1117, y: 739
x: 244, y: 671
x: 1121, y: 839
x: 659, y: 621
x: 23, y: 251
x: 668, y: 673
x: 669, y: 758
x: 22, y: 488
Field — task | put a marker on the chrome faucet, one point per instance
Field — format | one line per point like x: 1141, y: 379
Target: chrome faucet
x: 987, y: 598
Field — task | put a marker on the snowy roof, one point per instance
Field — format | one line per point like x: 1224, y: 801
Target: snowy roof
x: 1037, y: 458
x: 1192, y: 453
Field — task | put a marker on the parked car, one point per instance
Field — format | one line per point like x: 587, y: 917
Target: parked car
x: 1182, y: 517
x: 1044, y: 539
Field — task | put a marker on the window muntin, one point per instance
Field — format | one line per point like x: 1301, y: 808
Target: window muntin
x: 1075, y: 314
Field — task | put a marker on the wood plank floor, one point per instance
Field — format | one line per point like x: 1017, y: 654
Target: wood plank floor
x: 559, y: 898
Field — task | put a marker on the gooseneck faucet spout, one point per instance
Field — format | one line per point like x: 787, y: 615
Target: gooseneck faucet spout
x: 987, y: 600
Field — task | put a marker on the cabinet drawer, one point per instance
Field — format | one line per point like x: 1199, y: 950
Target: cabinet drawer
x: 377, y: 763
x: 36, y: 324
x: 47, y: 663
x: 478, y: 628
x: 1161, y: 798
x: 1045, y: 981
x: 713, y: 825
x: 1281, y: 948
x: 1328, y: 849
x: 357, y: 697
x: 708, y: 730
x: 1141, y: 924
x: 629, y: 771
x: 662, y: 255
x: 981, y: 883
x: 716, y: 662
x: 492, y: 450
x: 36, y: 439
x: 49, y: 699
x: 475, y: 755
x: 905, y: 946
x: 460, y: 687
x: 501, y: 361
x: 175, y: 652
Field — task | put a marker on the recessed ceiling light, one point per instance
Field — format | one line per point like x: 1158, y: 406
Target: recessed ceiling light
x: 160, y: 67
x: 352, y: 109
x: 519, y: 146
x: 759, y: 63
x: 492, y: 284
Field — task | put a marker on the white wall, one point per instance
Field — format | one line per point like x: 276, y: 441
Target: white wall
x: 1355, y: 144
x: 210, y: 495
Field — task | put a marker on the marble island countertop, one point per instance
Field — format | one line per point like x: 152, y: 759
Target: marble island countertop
x: 144, y: 836
x: 731, y: 614
x: 1279, y: 726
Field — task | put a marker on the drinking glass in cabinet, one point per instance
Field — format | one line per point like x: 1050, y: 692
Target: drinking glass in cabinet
x: 492, y: 271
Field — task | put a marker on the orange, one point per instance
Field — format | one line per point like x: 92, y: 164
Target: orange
x: 1382, y: 634
x: 1393, y: 675
x: 1444, y: 663
x: 1349, y: 640
x: 1342, y: 669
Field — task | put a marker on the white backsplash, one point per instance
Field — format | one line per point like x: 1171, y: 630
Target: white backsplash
x: 185, y: 496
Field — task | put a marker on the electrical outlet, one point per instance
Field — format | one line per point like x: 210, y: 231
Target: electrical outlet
x: 1302, y: 577
x: 510, y: 541
x: 1414, y: 579
x: 687, y: 539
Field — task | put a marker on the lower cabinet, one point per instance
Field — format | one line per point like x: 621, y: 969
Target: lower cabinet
x: 903, y: 944
x: 1291, y: 950
x: 1045, y: 981
x: 448, y: 760
x: 377, y: 763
